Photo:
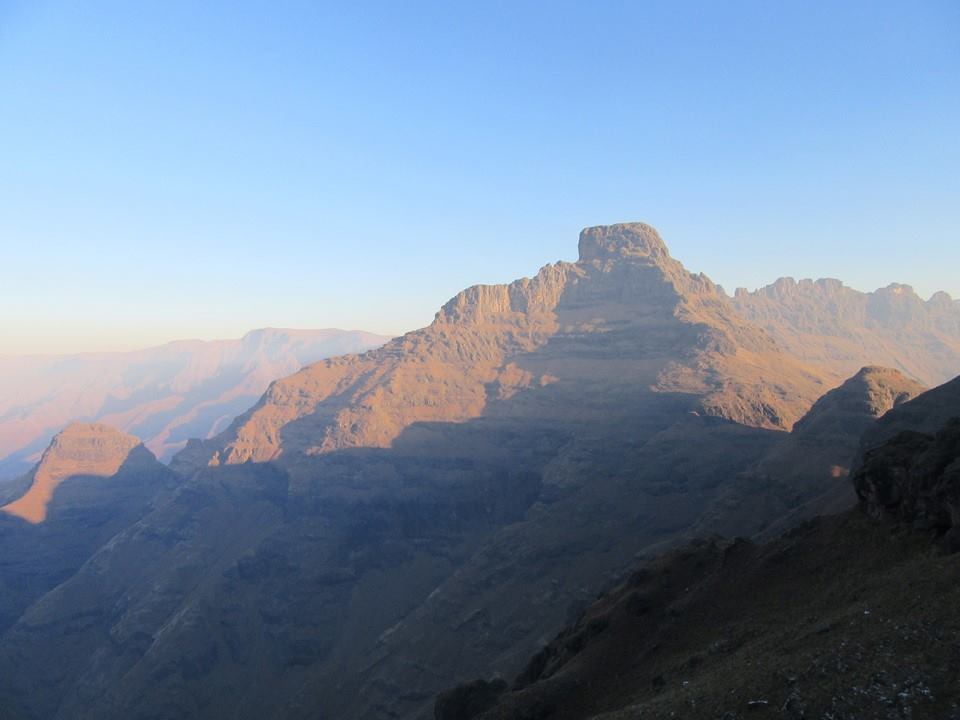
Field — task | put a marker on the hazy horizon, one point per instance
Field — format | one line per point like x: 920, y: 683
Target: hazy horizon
x: 179, y: 340
x: 133, y: 346
x: 179, y: 171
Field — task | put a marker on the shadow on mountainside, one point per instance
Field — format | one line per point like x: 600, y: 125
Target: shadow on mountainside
x: 85, y: 512
x: 363, y: 581
x: 848, y: 616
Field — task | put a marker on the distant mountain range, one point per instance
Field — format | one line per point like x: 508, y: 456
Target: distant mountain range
x: 380, y: 527
x: 164, y: 394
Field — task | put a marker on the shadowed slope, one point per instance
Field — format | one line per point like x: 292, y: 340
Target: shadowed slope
x: 807, y: 472
x: 844, y: 616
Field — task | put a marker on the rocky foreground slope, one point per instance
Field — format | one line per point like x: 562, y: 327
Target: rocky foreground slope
x: 361, y: 538
x: 807, y: 472
x: 850, y: 616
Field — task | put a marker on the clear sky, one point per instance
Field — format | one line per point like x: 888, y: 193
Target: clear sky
x: 196, y: 169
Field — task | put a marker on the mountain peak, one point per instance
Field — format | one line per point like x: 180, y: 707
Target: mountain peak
x: 605, y: 242
x: 91, y: 449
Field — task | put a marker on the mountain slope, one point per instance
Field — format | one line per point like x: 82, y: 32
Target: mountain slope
x: 80, y: 450
x: 91, y: 483
x: 807, y: 472
x: 529, y: 442
x: 164, y: 394
x: 847, y: 616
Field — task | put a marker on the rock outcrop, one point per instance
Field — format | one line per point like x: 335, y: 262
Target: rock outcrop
x: 909, y: 468
x: 927, y: 413
x: 915, y: 477
x: 807, y: 472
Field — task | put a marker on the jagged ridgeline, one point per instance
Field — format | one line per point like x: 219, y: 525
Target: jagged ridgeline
x: 382, y: 526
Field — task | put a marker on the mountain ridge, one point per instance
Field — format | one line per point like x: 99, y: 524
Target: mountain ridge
x: 828, y: 323
x: 484, y: 344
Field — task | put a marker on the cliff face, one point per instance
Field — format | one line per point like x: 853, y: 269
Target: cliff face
x: 828, y: 324
x: 909, y: 467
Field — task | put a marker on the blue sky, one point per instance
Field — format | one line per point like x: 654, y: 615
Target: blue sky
x: 184, y: 169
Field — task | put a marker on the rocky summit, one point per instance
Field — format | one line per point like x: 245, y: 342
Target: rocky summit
x: 382, y: 526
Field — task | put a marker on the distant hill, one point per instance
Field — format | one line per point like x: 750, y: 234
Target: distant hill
x: 163, y: 395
